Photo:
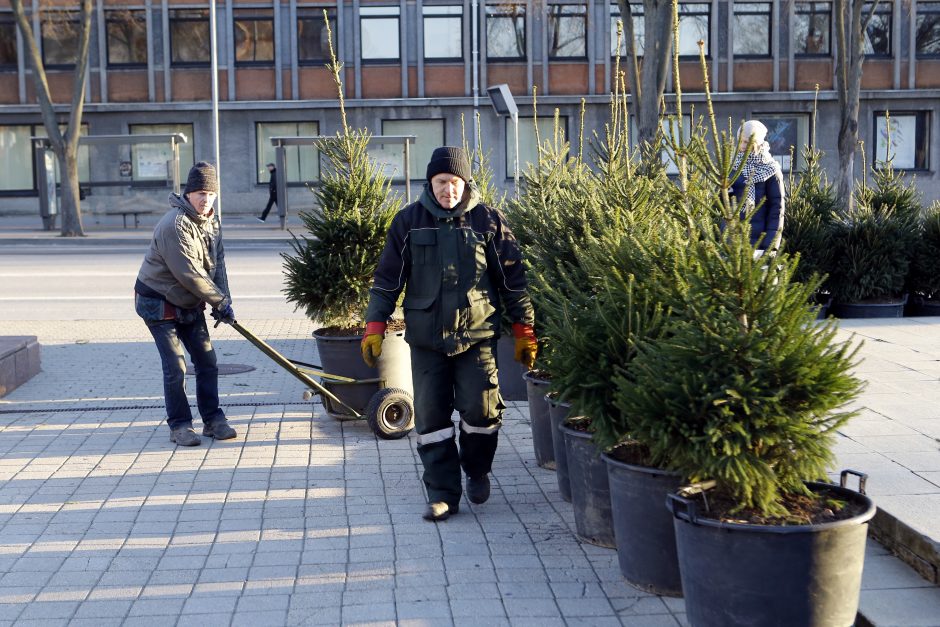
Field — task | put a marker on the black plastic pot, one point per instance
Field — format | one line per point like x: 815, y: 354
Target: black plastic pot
x: 590, y: 492
x: 822, y: 308
x: 869, y: 310
x: 920, y: 306
x: 557, y: 413
x: 539, y: 421
x: 744, y: 575
x: 511, y: 385
x: 646, y: 540
x: 341, y: 355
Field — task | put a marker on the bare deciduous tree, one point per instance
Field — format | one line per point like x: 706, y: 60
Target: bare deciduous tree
x: 852, y: 19
x: 648, y: 79
x: 64, y: 144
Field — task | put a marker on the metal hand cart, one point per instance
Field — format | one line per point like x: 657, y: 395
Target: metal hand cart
x: 389, y: 412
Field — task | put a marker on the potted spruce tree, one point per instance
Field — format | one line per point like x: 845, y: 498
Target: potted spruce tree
x: 872, y: 247
x: 742, y: 395
x: 924, y: 278
x: 811, y: 204
x: 546, y: 219
x: 330, y: 270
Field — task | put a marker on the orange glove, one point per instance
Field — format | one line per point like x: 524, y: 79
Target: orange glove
x: 526, y: 344
x: 371, y: 345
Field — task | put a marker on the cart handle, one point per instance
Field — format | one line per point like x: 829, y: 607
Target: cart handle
x: 287, y: 365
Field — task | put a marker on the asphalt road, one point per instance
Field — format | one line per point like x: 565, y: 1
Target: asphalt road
x: 56, y: 282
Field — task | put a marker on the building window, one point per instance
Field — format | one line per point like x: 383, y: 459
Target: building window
x: 429, y: 134
x: 528, y: 144
x: 7, y: 42
x: 878, y: 34
x: 752, y: 28
x: 254, y: 36
x: 567, y: 31
x: 301, y: 162
x: 505, y: 32
x: 812, y: 28
x: 694, y: 26
x: 189, y: 37
x: 639, y: 29
x: 127, y: 38
x: 312, y: 42
x: 60, y: 31
x: 907, y: 143
x: 150, y: 161
x: 443, y: 33
x: 378, y: 30
x: 16, y: 155
x: 787, y: 134
x: 928, y: 29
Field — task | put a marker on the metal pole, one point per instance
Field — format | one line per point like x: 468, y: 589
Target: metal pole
x: 280, y: 162
x: 214, y: 55
x: 475, y: 56
x: 407, y: 172
x: 515, y: 123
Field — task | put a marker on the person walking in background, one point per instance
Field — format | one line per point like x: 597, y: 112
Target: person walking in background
x: 759, y: 185
x: 272, y: 192
x: 459, y: 266
x: 182, y: 271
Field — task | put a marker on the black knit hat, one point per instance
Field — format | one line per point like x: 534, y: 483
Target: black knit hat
x: 202, y: 178
x: 449, y: 159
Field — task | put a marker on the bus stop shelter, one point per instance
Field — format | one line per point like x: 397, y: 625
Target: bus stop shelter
x: 160, y: 175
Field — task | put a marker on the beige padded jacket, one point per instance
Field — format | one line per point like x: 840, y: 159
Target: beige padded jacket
x: 186, y: 260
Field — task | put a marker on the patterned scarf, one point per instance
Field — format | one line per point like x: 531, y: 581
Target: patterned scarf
x: 758, y: 167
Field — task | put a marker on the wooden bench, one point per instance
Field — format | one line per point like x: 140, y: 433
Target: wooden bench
x: 131, y: 212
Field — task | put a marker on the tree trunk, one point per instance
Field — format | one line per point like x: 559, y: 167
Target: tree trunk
x: 69, y: 198
x: 65, y: 145
x: 852, y: 19
x: 651, y: 75
x: 848, y: 143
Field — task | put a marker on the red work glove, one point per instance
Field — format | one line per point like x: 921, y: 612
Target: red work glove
x: 526, y: 344
x: 371, y: 344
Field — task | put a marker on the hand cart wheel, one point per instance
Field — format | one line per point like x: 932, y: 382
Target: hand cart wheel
x: 391, y: 413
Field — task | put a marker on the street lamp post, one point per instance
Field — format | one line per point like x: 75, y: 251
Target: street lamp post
x: 214, y: 58
x: 504, y: 104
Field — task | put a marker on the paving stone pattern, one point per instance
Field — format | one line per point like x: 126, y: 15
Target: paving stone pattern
x: 305, y: 520
x: 301, y: 520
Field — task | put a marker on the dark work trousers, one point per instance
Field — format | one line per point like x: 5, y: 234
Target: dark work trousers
x: 171, y: 337
x: 272, y: 200
x: 466, y: 382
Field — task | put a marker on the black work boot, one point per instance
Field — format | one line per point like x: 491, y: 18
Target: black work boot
x: 478, y: 489
x: 439, y: 510
x: 185, y: 436
x: 218, y: 429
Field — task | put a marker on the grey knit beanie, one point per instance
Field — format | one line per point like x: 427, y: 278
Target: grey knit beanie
x: 202, y: 178
x: 449, y: 159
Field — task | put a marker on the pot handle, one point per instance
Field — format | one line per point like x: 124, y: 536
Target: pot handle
x: 674, y: 503
x: 862, y: 479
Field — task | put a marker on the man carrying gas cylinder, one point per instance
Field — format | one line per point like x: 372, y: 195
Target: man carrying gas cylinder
x: 459, y: 266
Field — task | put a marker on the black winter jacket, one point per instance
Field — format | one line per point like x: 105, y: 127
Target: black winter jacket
x: 768, y: 218
x: 458, y: 268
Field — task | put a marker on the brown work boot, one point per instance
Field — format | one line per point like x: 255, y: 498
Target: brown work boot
x: 185, y: 436
x: 219, y: 430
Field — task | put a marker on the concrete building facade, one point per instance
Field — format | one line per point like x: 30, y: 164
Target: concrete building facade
x: 421, y: 67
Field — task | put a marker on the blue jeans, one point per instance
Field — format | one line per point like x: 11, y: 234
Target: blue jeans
x: 171, y: 337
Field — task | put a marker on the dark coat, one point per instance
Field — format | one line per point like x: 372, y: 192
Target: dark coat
x: 272, y: 183
x: 458, y: 268
x: 767, y: 221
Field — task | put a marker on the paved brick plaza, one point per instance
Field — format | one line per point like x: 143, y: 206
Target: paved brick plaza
x: 313, y: 521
